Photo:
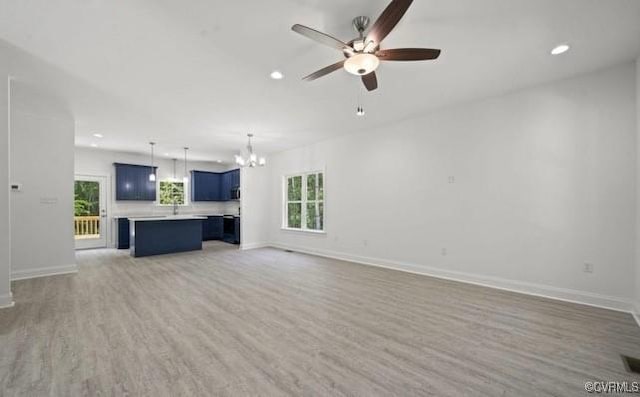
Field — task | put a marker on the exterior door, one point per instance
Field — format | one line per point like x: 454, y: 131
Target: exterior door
x: 90, y: 211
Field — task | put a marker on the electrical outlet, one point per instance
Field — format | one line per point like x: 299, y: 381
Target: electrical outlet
x: 444, y: 252
x: 588, y: 268
x: 365, y: 242
x: 452, y: 179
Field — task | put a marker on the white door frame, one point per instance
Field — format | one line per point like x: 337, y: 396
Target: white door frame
x: 104, y: 224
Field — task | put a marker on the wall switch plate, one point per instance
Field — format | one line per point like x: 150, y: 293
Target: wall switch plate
x: 444, y: 252
x: 452, y: 179
x: 588, y: 268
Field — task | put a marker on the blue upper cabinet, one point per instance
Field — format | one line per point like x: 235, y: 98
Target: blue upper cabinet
x: 235, y: 179
x: 205, y: 186
x: 226, y: 186
x: 198, y: 183
x: 213, y: 186
x: 132, y: 183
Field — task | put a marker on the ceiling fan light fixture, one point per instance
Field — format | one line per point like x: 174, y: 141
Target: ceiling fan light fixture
x: 363, y: 53
x: 370, y: 47
x: 361, y: 64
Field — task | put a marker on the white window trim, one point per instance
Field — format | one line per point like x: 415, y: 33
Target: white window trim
x: 303, y: 223
x: 186, y: 193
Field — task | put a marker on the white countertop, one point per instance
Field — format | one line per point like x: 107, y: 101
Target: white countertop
x: 168, y: 218
x: 151, y: 217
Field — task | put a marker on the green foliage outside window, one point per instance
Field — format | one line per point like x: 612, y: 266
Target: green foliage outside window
x: 295, y: 188
x: 294, y: 198
x: 295, y: 215
x: 305, y: 200
x: 86, y: 198
x: 315, y: 193
x: 171, y: 193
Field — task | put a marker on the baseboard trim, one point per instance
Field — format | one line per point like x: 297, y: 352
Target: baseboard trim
x: 252, y: 246
x: 6, y: 301
x: 562, y: 294
x: 636, y: 312
x: 43, y: 272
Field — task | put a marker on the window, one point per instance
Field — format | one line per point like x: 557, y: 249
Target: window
x: 304, y: 201
x: 172, y: 192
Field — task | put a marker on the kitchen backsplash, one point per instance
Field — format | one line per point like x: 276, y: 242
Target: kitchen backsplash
x: 125, y: 208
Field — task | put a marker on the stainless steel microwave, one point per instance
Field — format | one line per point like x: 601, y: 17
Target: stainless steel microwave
x: 235, y: 193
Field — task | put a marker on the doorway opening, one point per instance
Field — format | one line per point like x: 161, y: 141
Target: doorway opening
x: 90, y: 212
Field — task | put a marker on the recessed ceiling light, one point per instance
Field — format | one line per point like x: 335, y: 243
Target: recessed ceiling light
x: 218, y: 161
x: 166, y: 154
x: 98, y: 135
x: 560, y: 49
x: 94, y: 145
x: 277, y: 75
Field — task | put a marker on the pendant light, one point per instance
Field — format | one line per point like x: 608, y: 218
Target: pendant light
x: 152, y: 175
x: 174, y: 169
x: 252, y: 159
x: 185, y: 177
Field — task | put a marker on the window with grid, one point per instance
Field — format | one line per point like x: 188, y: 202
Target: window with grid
x: 304, y: 201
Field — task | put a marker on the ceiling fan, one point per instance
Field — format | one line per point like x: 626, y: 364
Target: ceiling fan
x: 363, y: 54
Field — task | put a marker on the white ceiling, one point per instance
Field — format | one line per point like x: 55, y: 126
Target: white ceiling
x: 196, y: 72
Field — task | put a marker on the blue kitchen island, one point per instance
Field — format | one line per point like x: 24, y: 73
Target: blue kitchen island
x: 165, y: 235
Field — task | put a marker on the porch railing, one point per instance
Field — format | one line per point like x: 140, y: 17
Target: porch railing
x: 86, y: 226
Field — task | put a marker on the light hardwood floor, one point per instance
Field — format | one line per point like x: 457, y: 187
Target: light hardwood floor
x: 267, y: 322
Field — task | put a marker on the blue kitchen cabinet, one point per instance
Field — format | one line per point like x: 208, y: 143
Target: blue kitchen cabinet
x: 123, y: 233
x: 214, y: 186
x: 216, y: 227
x: 205, y: 186
x: 199, y: 184
x: 235, y: 179
x: 132, y: 183
x: 164, y: 236
x: 212, y: 228
x: 225, y: 187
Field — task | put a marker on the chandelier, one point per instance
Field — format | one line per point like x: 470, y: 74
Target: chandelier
x: 251, y: 160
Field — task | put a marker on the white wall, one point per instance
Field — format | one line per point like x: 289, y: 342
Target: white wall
x: 100, y: 163
x: 5, y: 229
x: 544, y: 182
x: 42, y: 133
x: 637, y: 297
x: 255, y: 189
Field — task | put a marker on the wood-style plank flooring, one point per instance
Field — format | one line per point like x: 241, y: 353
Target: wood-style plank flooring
x: 268, y: 322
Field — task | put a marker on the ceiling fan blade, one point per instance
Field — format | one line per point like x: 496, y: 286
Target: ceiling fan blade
x: 321, y: 38
x: 408, y: 54
x: 388, y: 20
x: 370, y: 81
x: 324, y: 71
